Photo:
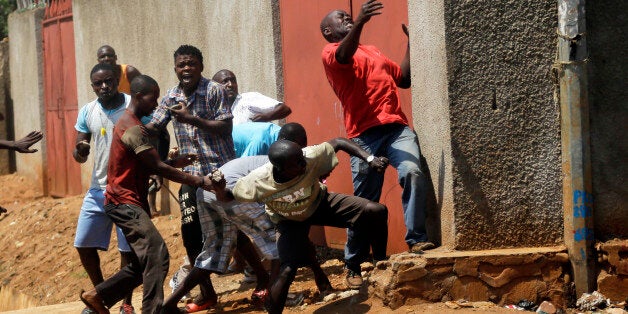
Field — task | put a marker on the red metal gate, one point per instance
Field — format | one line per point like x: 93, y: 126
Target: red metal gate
x: 315, y: 105
x: 60, y: 99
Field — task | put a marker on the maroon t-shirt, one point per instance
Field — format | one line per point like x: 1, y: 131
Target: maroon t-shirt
x: 127, y: 177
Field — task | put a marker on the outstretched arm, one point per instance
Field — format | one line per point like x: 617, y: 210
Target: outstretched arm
x: 405, y: 82
x: 350, y: 43
x: 150, y: 159
x: 353, y: 149
x: 23, y: 145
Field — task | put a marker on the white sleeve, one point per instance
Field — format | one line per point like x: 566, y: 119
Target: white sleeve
x: 259, y: 103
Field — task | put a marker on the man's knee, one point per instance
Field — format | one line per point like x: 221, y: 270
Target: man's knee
x: 376, y: 210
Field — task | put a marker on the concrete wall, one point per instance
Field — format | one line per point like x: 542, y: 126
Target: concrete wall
x: 27, y: 87
x: 607, y: 39
x: 237, y: 35
x: 431, y: 111
x: 497, y: 120
x: 6, y: 109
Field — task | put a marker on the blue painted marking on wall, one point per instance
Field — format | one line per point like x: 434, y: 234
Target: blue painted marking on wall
x: 582, y: 204
x: 583, y: 234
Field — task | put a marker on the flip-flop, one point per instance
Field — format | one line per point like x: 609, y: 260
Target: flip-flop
x: 193, y: 307
x: 258, y: 298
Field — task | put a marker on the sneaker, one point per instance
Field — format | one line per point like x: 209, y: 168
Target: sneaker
x: 127, y: 309
x: 354, y: 279
x: 419, y: 247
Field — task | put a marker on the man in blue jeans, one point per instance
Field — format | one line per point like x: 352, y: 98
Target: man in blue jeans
x: 366, y: 82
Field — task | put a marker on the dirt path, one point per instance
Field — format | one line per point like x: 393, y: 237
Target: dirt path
x: 39, y: 263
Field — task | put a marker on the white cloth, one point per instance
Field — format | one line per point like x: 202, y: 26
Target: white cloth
x: 246, y: 105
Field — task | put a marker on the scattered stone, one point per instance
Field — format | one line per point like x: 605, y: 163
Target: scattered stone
x: 592, y: 301
x: 348, y: 293
x: 615, y: 310
x: 452, y: 305
x: 546, y: 308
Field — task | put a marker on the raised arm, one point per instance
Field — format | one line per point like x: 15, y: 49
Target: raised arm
x: 349, y: 44
x: 405, y: 82
x: 353, y: 149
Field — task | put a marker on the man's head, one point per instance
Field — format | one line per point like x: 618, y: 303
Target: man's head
x: 106, y: 54
x: 293, y: 132
x: 336, y: 25
x: 104, y: 82
x: 188, y: 65
x: 228, y: 79
x: 287, y: 159
x: 145, y: 92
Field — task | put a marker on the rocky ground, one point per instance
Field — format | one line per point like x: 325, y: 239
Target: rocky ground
x: 40, y: 267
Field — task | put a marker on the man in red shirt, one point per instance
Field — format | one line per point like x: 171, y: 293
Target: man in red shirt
x: 366, y: 83
x: 132, y: 160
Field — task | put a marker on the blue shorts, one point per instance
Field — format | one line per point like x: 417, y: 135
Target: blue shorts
x: 94, y: 226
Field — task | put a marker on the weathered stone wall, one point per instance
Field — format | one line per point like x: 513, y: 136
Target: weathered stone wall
x: 27, y: 87
x: 500, y: 276
x: 612, y: 279
x: 607, y: 39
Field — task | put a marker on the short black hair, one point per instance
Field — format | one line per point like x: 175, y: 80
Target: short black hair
x: 294, y: 132
x: 142, y: 84
x: 188, y: 50
x: 100, y: 67
x: 281, y: 151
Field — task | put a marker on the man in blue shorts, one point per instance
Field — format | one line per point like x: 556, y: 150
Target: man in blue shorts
x: 96, y: 120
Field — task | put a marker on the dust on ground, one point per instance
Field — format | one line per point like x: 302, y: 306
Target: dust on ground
x: 38, y: 260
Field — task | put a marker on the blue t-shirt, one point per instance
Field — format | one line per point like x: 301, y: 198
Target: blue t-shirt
x: 254, y: 138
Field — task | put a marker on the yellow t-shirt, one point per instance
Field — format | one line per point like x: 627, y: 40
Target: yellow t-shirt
x: 124, y: 86
x: 296, y: 199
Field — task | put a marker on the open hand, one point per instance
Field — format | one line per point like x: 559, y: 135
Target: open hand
x: 23, y: 145
x: 369, y: 8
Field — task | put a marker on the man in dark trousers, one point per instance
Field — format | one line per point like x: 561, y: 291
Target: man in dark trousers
x: 131, y: 161
x: 366, y: 83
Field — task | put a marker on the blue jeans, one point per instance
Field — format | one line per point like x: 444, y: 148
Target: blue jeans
x: 400, y: 145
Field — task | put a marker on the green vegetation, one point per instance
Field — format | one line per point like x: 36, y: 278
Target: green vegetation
x: 6, y: 7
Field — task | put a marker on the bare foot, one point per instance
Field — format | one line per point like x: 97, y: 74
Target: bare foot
x: 93, y: 301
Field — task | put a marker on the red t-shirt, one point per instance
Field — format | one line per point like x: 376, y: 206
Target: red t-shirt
x: 127, y: 178
x: 366, y: 87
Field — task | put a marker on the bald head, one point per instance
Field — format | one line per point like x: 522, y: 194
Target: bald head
x: 106, y: 54
x: 294, y: 132
x: 228, y: 79
x: 336, y: 25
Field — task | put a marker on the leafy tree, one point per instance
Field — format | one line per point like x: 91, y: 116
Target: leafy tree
x: 6, y: 7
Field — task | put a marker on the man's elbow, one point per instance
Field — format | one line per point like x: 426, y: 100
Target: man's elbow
x: 404, y: 84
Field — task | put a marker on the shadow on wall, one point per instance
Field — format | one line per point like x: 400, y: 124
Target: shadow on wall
x: 433, y: 219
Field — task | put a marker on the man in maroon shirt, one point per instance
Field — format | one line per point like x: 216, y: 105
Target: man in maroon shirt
x: 131, y: 161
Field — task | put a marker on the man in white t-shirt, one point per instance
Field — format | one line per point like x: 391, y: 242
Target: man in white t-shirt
x: 95, y: 121
x: 251, y: 106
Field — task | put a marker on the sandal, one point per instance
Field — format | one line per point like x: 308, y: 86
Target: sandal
x: 258, y: 298
x: 193, y: 307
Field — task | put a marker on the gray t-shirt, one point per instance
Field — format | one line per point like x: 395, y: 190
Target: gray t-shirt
x: 99, y: 122
x: 240, y: 167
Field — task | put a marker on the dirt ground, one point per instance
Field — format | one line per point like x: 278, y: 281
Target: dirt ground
x: 38, y: 262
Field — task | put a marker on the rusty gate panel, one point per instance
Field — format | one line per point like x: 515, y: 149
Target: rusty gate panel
x: 314, y: 104
x: 60, y: 99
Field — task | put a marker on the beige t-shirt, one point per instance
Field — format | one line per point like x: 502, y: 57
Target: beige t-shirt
x: 296, y: 199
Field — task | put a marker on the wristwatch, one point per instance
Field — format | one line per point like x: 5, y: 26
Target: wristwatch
x: 369, y: 159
